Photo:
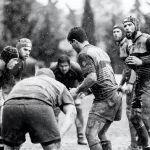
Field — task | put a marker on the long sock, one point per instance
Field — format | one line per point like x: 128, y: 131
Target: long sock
x: 1, y: 141
x: 96, y: 147
x: 106, y: 145
x: 133, y: 134
x: 146, y: 148
x: 143, y: 136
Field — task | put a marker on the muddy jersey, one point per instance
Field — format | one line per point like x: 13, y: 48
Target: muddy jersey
x: 94, y: 59
x: 42, y: 88
x: 141, y: 49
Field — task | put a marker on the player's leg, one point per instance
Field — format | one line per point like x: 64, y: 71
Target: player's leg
x: 51, y: 146
x: 79, y: 122
x: 133, y: 133
x: 140, y: 127
x: 96, y: 125
x: 106, y: 144
x: 6, y: 147
x: 13, y: 118
x: 1, y: 103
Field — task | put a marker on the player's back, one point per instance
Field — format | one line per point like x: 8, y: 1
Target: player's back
x: 39, y: 87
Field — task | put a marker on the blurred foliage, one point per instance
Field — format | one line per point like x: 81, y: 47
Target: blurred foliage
x: 146, y: 27
x: 88, y: 23
x: 16, y: 23
x: 106, y: 18
x: 47, y: 26
x: 47, y: 34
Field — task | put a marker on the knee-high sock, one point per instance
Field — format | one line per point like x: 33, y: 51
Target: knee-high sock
x: 1, y: 141
x: 143, y: 136
x: 106, y: 145
x: 96, y: 147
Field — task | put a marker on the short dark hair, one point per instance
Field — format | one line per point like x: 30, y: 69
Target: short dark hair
x: 78, y: 34
x: 63, y: 59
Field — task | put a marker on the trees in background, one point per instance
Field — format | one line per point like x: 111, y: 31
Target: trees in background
x: 88, y: 22
x: 16, y: 20
x: 47, y: 34
x: 108, y: 13
x: 137, y: 11
x: 47, y: 25
x: 146, y: 28
x: 42, y: 24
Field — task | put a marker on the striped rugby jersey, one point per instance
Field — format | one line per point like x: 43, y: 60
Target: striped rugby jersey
x: 94, y: 59
x: 139, y: 49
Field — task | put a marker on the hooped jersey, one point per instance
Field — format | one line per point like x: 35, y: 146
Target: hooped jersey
x: 140, y: 50
x: 94, y: 59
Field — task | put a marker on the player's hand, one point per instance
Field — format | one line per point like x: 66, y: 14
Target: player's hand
x: 120, y: 88
x: 133, y: 60
x: 81, y: 95
x: 11, y: 64
x: 129, y: 88
x: 73, y: 92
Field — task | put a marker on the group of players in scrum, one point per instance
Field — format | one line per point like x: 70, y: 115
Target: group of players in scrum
x: 31, y: 106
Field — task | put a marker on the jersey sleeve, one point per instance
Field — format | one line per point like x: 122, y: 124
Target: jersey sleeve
x: 65, y: 98
x: 86, y: 64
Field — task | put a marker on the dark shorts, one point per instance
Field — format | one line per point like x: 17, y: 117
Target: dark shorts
x: 29, y: 116
x: 142, y: 99
x: 110, y: 109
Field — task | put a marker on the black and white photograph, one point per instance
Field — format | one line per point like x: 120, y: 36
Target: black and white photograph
x: 74, y: 74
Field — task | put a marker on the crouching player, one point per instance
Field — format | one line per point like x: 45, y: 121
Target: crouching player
x: 29, y: 109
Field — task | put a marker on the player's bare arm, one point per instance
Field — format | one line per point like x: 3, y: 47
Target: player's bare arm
x: 89, y: 72
x: 87, y: 82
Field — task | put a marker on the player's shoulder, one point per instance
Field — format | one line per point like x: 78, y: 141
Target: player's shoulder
x: 74, y: 65
x: 53, y: 66
x: 143, y: 37
x: 88, y: 50
x: 146, y: 35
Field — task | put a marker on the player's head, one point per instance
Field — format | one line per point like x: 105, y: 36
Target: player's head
x: 118, y: 32
x: 131, y: 26
x: 24, y: 47
x: 45, y: 71
x: 63, y: 63
x: 75, y: 36
x: 8, y: 53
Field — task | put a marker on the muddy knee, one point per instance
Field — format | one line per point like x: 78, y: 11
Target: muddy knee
x: 91, y: 138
